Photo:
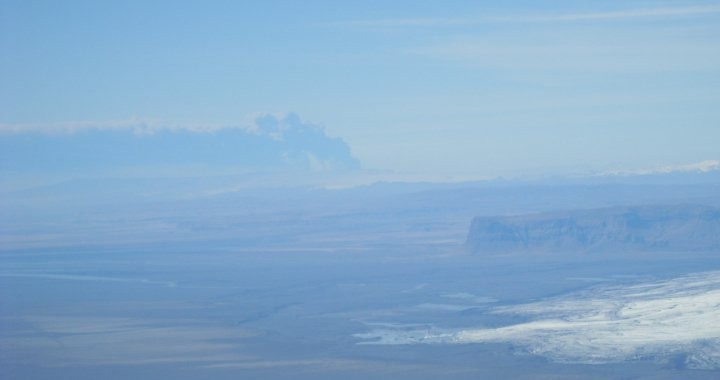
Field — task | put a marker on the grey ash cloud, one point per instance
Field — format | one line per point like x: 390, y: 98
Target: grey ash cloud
x: 267, y: 142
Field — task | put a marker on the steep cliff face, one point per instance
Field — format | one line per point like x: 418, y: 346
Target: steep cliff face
x: 647, y: 228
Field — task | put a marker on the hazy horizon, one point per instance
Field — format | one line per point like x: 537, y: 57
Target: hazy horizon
x: 359, y: 190
x: 454, y: 90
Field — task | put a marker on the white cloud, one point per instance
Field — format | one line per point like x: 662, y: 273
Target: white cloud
x: 697, y: 167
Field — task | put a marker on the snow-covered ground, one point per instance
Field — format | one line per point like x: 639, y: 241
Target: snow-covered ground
x: 654, y: 320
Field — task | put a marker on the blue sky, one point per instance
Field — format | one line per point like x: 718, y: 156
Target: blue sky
x: 453, y: 88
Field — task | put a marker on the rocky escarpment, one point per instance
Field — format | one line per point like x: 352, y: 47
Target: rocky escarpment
x: 646, y: 228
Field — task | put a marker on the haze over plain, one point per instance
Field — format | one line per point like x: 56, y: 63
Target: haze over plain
x: 359, y: 190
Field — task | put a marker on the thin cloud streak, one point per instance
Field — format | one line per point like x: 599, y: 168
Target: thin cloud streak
x: 139, y: 126
x: 259, y: 123
x: 537, y: 18
x: 696, y: 167
x: 406, y: 22
x: 616, y: 15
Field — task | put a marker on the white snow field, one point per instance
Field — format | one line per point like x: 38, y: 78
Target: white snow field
x: 679, y: 317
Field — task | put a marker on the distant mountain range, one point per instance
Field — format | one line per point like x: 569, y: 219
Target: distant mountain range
x: 619, y: 229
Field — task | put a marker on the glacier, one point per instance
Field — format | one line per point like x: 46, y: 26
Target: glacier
x: 658, y: 320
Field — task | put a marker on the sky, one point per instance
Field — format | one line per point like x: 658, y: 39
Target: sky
x: 451, y: 89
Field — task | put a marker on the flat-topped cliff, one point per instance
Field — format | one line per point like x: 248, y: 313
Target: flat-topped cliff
x: 645, y: 228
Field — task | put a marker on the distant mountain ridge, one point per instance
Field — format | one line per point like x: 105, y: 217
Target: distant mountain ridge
x: 618, y: 229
